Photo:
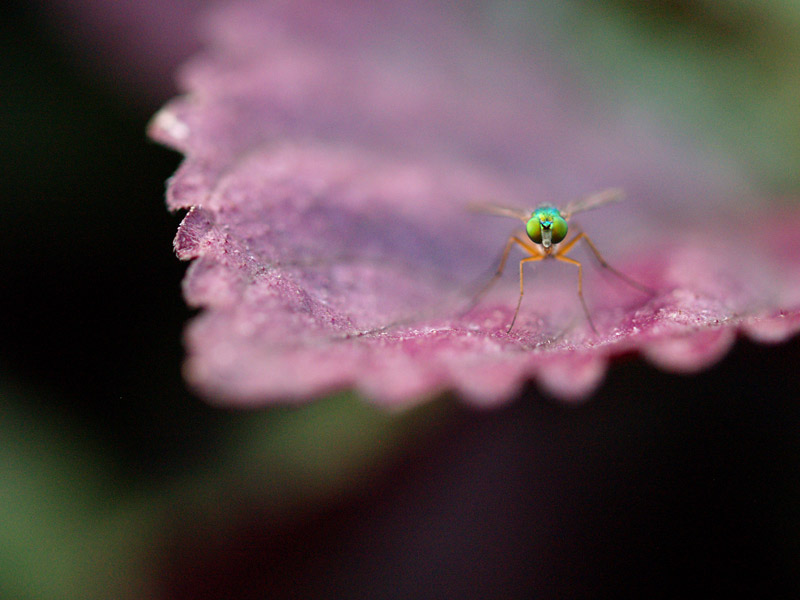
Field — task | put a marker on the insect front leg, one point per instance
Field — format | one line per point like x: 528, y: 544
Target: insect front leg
x: 603, y: 263
x: 560, y: 256
x: 513, y: 239
x: 538, y: 256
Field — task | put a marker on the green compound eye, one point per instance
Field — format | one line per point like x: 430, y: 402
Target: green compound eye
x: 534, y: 230
x: 559, y: 229
x: 546, y: 226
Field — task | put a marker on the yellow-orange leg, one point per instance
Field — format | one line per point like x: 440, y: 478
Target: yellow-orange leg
x: 513, y: 239
x: 560, y: 256
x: 535, y: 253
x: 582, y: 236
x: 521, y: 287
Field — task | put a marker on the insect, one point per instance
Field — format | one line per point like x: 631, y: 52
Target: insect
x: 545, y: 228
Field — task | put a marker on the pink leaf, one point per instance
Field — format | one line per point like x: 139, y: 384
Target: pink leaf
x: 331, y: 152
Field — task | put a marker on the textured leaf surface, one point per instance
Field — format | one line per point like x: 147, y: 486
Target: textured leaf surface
x: 331, y: 151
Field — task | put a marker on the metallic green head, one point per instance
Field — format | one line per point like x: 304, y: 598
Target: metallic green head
x: 546, y: 226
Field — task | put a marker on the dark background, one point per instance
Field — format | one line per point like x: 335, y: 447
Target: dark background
x: 91, y: 304
x: 660, y: 484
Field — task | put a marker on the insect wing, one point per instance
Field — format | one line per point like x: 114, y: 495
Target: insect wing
x: 502, y: 211
x: 593, y: 201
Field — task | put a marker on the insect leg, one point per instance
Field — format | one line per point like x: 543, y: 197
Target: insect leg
x: 562, y: 251
x: 513, y: 239
x: 533, y: 257
x: 560, y: 256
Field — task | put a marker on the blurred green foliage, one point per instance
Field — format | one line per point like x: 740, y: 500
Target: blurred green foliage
x: 725, y: 72
x: 71, y: 527
x: 59, y: 532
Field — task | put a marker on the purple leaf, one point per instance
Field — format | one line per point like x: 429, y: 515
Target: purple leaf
x: 331, y: 152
